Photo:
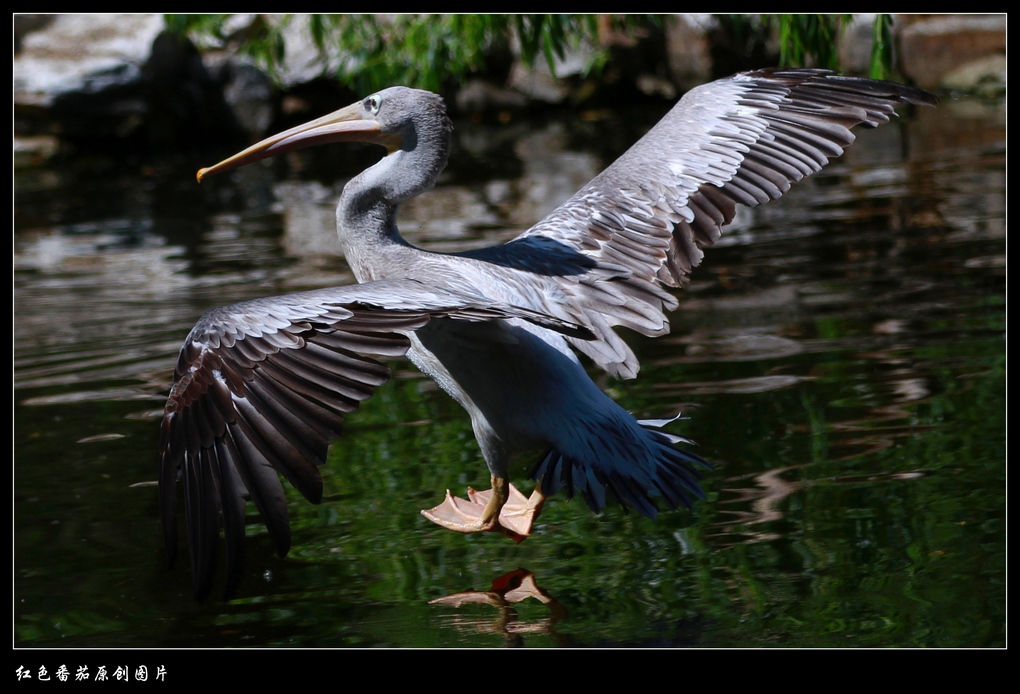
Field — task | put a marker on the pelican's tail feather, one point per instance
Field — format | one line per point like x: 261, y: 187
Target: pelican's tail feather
x: 630, y: 460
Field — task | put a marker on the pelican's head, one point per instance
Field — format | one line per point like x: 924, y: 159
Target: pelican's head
x: 396, y: 118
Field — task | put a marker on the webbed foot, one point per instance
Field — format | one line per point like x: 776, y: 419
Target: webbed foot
x: 512, y: 515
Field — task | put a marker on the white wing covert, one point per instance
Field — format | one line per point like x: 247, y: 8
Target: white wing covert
x: 641, y: 224
x: 262, y: 387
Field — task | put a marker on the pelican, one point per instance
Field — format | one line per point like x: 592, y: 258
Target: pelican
x: 262, y: 387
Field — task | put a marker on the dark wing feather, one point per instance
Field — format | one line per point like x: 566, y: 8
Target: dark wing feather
x: 262, y: 387
x: 644, y: 221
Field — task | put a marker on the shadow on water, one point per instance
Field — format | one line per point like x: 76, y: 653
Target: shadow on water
x: 840, y: 356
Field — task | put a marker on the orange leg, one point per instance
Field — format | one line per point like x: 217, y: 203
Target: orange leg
x: 502, y: 509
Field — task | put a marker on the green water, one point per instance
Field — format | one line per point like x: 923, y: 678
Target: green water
x: 840, y: 356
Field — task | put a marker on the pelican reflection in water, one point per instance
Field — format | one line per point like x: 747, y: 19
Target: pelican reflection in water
x: 262, y: 387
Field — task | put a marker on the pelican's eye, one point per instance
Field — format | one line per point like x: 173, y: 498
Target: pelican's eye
x: 373, y: 103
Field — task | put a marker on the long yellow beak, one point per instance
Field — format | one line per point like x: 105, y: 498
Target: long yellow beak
x: 346, y: 125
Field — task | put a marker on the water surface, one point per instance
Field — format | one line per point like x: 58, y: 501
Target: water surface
x: 840, y: 355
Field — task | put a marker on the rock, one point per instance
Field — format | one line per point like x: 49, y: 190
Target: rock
x: 983, y: 77
x: 82, y: 53
x: 478, y: 96
x: 688, y: 50
x: 114, y: 77
x: 932, y: 47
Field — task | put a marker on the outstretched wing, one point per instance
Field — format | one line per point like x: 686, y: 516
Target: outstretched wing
x: 643, y: 222
x: 262, y: 387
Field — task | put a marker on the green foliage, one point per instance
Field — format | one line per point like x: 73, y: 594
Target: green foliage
x: 196, y: 24
x: 430, y: 51
x: 369, y: 52
x: 804, y: 35
x: 550, y: 34
x: 881, y: 46
x: 803, y: 39
x: 261, y: 38
x: 814, y: 38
